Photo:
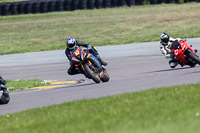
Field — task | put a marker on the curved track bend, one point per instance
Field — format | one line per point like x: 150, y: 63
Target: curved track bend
x: 132, y: 67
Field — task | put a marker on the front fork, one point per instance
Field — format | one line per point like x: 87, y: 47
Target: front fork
x: 93, y: 60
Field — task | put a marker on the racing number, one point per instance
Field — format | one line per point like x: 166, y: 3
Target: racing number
x: 176, y: 52
x: 76, y: 53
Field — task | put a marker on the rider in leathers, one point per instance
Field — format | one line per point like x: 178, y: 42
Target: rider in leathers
x: 71, y: 45
x: 2, y: 81
x: 165, y: 47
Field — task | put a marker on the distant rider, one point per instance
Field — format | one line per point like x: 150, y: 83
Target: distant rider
x: 2, y: 81
x: 165, y: 47
x: 71, y: 45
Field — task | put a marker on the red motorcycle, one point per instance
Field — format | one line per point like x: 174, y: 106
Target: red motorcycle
x: 184, y: 53
x: 89, y: 65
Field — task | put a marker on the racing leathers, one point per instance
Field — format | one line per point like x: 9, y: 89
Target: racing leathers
x: 166, y: 50
x: 72, y: 70
x: 2, y: 81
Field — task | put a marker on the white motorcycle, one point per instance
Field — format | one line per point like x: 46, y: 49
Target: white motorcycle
x: 4, y: 94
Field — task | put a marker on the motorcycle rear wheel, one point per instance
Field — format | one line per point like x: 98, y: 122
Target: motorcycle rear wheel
x: 105, y: 77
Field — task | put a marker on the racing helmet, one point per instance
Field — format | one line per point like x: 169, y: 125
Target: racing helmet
x: 71, y: 42
x: 164, y: 37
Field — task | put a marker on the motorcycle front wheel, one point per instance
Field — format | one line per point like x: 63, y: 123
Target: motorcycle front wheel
x: 91, y: 73
x: 194, y: 57
x: 5, y: 97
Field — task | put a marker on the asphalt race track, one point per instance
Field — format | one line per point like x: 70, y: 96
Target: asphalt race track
x: 132, y: 67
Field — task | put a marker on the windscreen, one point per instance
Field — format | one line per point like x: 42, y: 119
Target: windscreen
x: 175, y: 45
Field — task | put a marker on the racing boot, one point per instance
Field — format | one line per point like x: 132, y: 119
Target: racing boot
x: 101, y: 61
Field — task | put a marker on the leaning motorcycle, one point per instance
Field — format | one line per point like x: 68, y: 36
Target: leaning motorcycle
x: 4, y: 94
x: 184, y: 53
x: 89, y: 65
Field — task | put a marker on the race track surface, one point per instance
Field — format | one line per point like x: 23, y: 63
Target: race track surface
x: 132, y: 67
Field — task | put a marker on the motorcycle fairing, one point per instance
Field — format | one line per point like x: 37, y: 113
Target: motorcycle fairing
x: 180, y: 50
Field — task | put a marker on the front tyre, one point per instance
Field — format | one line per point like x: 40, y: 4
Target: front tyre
x: 5, y: 97
x: 194, y: 57
x: 92, y: 74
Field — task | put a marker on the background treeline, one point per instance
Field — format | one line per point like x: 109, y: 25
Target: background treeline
x: 42, y: 6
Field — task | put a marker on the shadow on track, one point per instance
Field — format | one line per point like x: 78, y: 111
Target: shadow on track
x: 81, y: 83
x: 78, y: 85
x: 168, y: 70
x: 63, y: 89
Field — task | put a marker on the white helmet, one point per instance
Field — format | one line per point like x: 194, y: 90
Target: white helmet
x: 71, y: 42
x: 164, y: 38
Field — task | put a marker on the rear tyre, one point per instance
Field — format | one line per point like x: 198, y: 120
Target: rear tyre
x: 194, y: 57
x: 5, y: 98
x: 92, y: 74
x: 105, y: 77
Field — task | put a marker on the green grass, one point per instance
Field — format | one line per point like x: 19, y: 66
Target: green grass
x: 163, y: 110
x: 14, y: 85
x: 2, y: 1
x: 39, y: 32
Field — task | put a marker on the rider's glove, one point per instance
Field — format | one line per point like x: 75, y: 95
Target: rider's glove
x: 89, y: 48
x: 169, y: 51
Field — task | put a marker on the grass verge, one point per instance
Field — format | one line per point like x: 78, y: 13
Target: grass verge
x: 163, y: 110
x: 14, y: 85
x: 40, y: 32
x: 2, y: 1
